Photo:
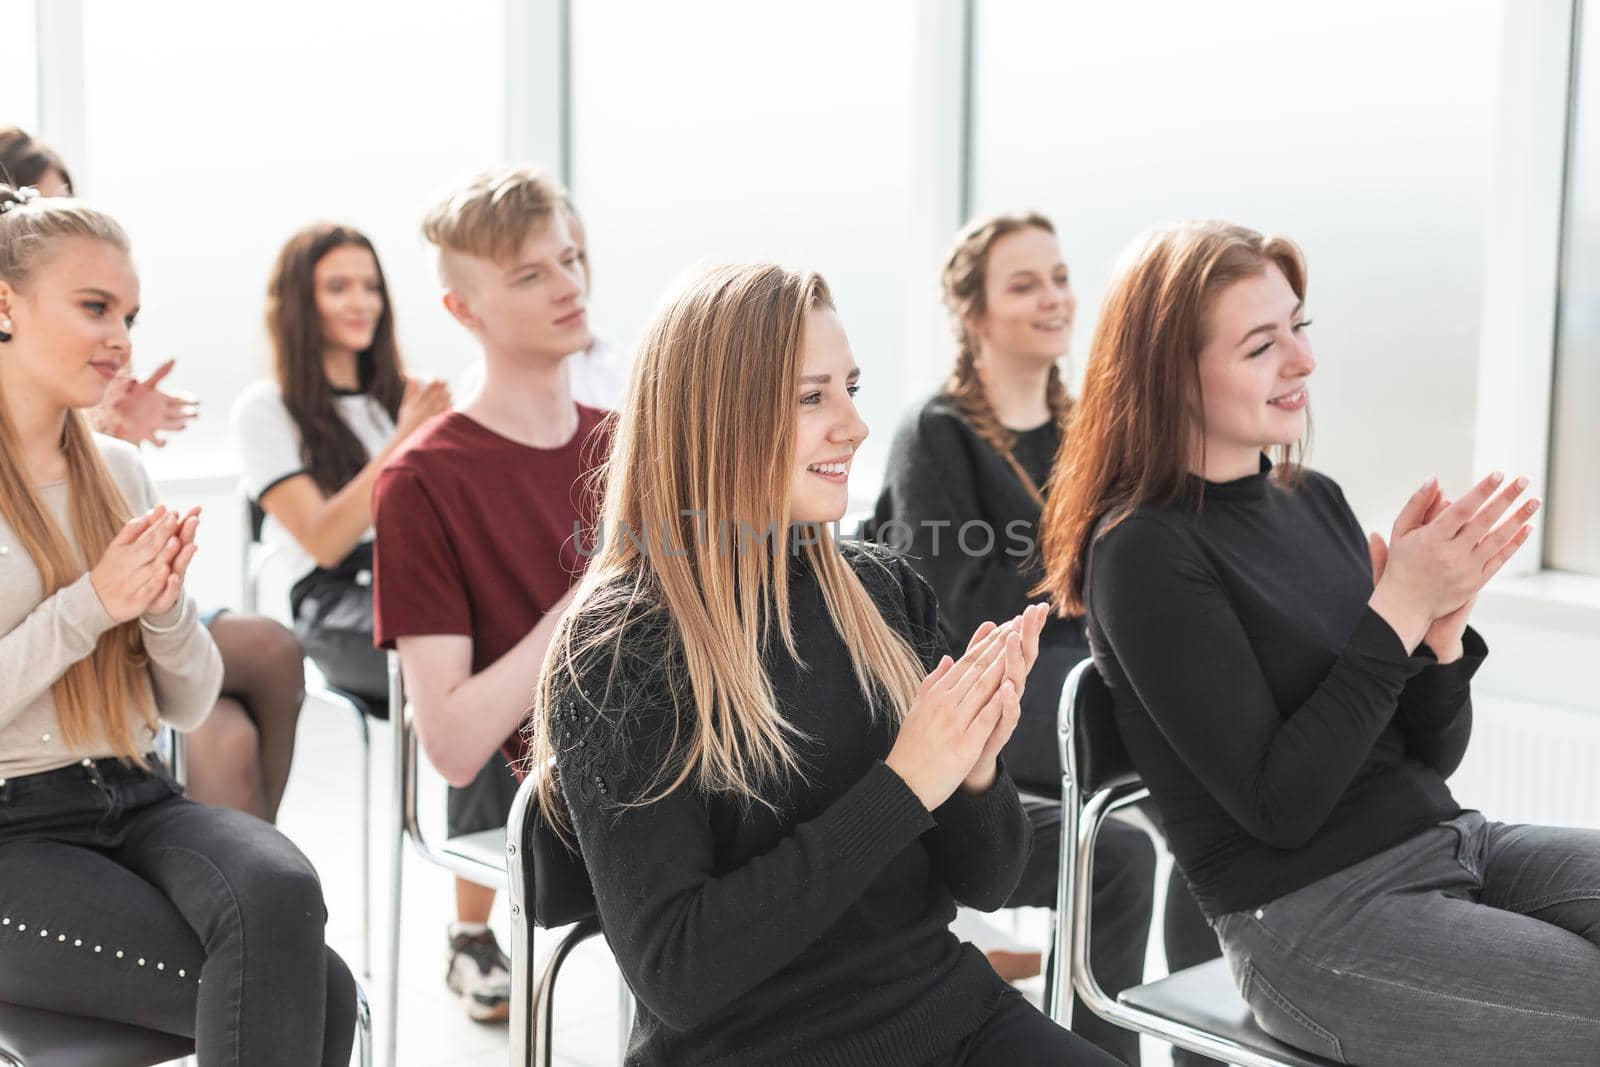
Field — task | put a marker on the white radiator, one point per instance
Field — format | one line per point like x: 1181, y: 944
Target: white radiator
x: 1531, y: 763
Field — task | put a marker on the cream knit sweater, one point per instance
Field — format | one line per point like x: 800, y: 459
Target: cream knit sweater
x: 40, y: 637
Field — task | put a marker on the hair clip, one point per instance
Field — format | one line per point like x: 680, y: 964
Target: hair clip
x: 24, y: 195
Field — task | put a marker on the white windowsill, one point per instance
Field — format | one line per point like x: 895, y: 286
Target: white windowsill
x: 1559, y: 600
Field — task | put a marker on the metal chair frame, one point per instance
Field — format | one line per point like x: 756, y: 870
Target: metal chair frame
x: 478, y: 858
x: 1081, y: 819
x: 533, y: 1004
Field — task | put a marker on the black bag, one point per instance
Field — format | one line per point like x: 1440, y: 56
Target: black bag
x: 332, y: 609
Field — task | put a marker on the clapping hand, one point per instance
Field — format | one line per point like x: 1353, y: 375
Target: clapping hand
x: 141, y: 411
x: 177, y: 553
x: 951, y: 719
x: 1440, y: 554
x: 1020, y: 656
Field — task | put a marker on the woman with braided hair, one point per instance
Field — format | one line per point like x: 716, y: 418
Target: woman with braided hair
x: 967, y: 479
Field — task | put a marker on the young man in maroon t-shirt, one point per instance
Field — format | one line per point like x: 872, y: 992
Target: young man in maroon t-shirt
x: 477, y: 518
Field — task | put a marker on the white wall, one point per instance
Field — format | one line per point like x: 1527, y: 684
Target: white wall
x: 1363, y: 130
x: 19, y: 74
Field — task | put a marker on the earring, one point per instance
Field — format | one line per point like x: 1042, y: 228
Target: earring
x: 5, y: 330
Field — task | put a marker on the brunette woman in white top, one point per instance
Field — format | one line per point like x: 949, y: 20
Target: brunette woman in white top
x: 312, y: 440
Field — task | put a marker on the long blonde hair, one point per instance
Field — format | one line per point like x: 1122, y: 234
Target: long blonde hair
x: 964, y: 282
x: 96, y: 693
x: 701, y: 461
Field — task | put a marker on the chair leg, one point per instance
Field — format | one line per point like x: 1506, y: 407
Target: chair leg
x: 363, y: 1027
x: 366, y: 844
x: 624, y: 1016
x: 397, y: 843
x: 544, y: 997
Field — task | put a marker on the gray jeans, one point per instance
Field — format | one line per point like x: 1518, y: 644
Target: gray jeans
x: 1472, y: 943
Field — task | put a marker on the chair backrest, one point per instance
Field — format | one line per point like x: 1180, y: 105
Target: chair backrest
x: 555, y: 886
x: 1089, y: 718
x: 257, y: 517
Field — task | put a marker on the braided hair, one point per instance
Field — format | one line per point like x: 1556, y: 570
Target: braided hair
x: 964, y: 280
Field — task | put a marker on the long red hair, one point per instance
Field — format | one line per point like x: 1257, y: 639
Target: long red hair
x: 1129, y: 440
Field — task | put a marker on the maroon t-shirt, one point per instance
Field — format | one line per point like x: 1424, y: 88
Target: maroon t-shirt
x: 476, y: 534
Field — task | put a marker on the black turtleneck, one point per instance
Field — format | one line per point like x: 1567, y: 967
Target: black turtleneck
x: 813, y: 931
x: 1283, y: 730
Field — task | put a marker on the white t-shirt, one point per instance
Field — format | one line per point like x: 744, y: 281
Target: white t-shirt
x: 269, y: 452
x: 598, y: 376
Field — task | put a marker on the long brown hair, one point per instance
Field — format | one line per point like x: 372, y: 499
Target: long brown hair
x: 24, y: 160
x: 1131, y: 436
x: 95, y: 695
x: 705, y: 445
x: 964, y: 281
x: 330, y: 450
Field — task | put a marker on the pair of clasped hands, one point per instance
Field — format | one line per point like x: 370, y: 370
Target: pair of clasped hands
x: 965, y: 710
x: 141, y: 572
x: 1440, y: 555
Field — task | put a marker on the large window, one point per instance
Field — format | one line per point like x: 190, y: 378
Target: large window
x: 19, y: 74
x: 724, y: 131
x: 215, y: 130
x: 1572, y: 532
x: 1361, y: 129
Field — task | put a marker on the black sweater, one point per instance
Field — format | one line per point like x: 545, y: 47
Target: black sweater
x: 816, y: 934
x: 1283, y: 730
x: 941, y: 474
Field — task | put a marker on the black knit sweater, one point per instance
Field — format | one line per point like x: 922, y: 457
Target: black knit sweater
x: 813, y: 934
x: 942, y: 476
x: 1283, y: 730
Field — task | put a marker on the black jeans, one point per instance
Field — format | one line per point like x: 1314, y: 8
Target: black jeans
x: 122, y: 899
x: 1016, y: 1034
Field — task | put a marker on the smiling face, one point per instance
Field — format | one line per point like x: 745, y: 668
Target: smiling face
x: 1028, y: 298
x: 70, y: 321
x: 530, y: 306
x: 1253, y: 370
x: 827, y: 428
x: 349, y: 294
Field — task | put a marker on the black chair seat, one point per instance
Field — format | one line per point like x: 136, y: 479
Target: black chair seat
x: 1205, y: 998
x: 40, y: 1038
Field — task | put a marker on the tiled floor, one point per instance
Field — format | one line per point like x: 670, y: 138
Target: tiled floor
x: 321, y: 813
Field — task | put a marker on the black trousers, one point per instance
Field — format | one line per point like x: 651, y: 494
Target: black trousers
x: 122, y: 899
x: 1017, y: 1034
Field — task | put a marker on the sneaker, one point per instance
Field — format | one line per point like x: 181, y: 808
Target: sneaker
x: 480, y: 974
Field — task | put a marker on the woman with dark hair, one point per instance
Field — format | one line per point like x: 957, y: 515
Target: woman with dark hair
x: 240, y: 756
x: 1295, y: 692
x: 121, y: 898
x: 312, y: 440
x: 968, y: 474
x: 29, y: 163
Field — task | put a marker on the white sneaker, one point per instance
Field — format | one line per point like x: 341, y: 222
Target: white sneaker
x: 480, y: 974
